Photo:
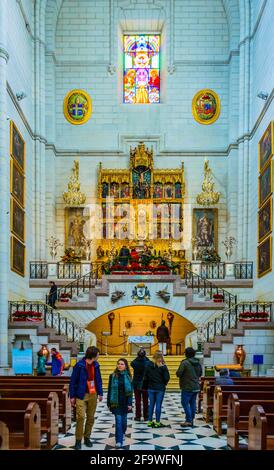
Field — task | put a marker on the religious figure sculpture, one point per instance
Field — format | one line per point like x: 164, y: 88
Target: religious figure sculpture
x: 76, y: 230
x: 240, y: 354
x: 205, y: 231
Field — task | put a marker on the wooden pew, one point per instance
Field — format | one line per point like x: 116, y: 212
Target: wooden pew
x: 222, y: 393
x: 238, y: 415
x: 24, y: 427
x: 49, y: 408
x: 4, y: 436
x: 260, y: 429
x: 208, y: 393
x: 205, y: 381
x: 33, y: 391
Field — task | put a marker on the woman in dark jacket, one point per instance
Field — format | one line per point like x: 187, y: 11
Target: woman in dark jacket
x: 119, y: 399
x: 138, y: 366
x: 156, y: 378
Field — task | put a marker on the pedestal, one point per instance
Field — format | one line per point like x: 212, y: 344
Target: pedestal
x: 52, y: 270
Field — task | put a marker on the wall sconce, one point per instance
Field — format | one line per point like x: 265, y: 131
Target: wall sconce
x: 21, y: 95
x: 263, y: 95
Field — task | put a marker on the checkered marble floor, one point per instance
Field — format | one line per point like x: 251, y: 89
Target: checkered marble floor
x: 140, y: 437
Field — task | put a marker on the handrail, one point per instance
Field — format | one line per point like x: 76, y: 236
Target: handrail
x: 205, y: 285
x: 45, y: 313
x: 230, y: 317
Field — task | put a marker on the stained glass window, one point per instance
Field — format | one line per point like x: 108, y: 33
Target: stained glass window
x: 141, y: 69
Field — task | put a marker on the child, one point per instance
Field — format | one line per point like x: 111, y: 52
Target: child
x: 119, y: 399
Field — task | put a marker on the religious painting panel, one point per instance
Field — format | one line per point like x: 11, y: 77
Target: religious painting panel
x: 17, y: 254
x: 265, y: 220
x: 266, y: 146
x: 17, y: 183
x: 124, y: 190
x: 17, y: 146
x: 77, y: 107
x: 158, y: 190
x: 104, y: 190
x: 264, y: 257
x: 178, y: 190
x: 265, y: 184
x: 76, y: 230
x: 114, y: 189
x: 141, y: 181
x: 141, y: 69
x: 17, y: 220
x: 168, y: 190
x: 205, y: 230
x: 206, y: 106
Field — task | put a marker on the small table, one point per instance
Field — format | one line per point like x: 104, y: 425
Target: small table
x: 137, y: 342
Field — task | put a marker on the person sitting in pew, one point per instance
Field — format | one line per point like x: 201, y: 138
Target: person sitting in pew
x: 234, y: 373
x: 224, y: 378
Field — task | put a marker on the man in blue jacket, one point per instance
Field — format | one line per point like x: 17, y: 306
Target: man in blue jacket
x: 85, y: 387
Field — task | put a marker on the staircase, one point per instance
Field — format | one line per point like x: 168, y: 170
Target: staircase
x: 108, y: 365
x: 47, y: 322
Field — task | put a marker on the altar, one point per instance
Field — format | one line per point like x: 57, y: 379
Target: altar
x: 137, y: 342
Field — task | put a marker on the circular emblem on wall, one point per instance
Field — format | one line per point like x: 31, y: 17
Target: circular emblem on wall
x: 77, y: 107
x: 206, y: 106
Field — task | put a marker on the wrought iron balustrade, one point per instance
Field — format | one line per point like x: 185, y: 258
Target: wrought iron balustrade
x: 247, y: 311
x: 243, y: 270
x: 208, y: 289
x: 38, y: 270
x: 34, y: 312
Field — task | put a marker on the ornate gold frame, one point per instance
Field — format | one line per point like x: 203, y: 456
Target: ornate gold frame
x: 218, y: 106
x: 268, y: 201
x: 65, y: 107
x: 271, y: 128
x: 261, y: 203
x: 13, y: 165
x: 12, y: 125
x: 12, y: 256
x: 215, y: 222
x: 263, y: 273
x: 12, y: 203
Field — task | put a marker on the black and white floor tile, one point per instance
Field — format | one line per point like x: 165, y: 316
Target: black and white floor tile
x: 140, y: 437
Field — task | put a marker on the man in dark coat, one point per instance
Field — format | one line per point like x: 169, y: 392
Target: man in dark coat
x: 162, y: 334
x: 138, y: 365
x: 52, y: 297
x: 124, y: 256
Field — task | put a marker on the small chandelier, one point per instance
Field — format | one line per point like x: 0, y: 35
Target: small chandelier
x: 208, y: 196
x: 74, y: 197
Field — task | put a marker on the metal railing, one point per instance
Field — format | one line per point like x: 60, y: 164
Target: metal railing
x: 244, y: 311
x: 208, y: 289
x: 34, y: 312
x: 38, y: 270
x: 243, y: 270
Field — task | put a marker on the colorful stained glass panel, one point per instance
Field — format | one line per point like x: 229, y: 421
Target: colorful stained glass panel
x: 141, y: 69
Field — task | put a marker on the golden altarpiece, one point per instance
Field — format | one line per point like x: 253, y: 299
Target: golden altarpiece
x: 141, y: 206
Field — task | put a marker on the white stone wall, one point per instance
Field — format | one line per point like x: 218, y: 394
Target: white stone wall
x: 254, y: 342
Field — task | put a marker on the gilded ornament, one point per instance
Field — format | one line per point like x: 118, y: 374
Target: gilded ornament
x: 74, y: 197
x: 77, y: 107
x: 208, y: 196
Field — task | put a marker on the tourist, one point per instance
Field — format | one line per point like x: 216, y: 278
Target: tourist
x: 57, y: 362
x: 140, y: 394
x: 52, y: 296
x: 43, y: 355
x: 84, y: 389
x: 189, y: 372
x: 224, y: 378
x: 119, y: 399
x: 156, y: 378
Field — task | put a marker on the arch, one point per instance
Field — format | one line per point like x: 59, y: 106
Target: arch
x: 52, y: 12
x: 137, y: 321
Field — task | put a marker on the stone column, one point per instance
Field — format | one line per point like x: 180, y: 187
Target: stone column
x: 4, y: 190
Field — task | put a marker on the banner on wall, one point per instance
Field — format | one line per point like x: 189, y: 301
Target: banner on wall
x: 22, y: 361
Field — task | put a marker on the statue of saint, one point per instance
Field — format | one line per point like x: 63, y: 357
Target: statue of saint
x: 204, y: 231
x: 76, y: 230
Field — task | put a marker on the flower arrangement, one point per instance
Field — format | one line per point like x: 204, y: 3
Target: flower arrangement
x: 70, y: 256
x: 218, y: 298
x: 254, y: 316
x: 27, y: 315
x: 64, y: 297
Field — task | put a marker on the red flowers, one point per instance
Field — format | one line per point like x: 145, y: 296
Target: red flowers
x: 254, y: 316
x: 218, y: 298
x: 27, y: 315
